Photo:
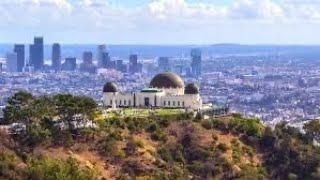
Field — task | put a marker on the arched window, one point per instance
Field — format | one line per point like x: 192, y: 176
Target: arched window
x: 168, y: 103
x: 120, y: 103
x: 173, y: 103
x: 182, y: 103
x: 129, y: 102
x: 178, y: 103
x: 111, y: 102
x: 125, y: 102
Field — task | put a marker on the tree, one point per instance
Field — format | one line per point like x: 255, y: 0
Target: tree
x: 18, y: 107
x: 312, y: 130
x: 87, y: 107
x: 268, y: 138
x: 67, y: 107
x: 43, y: 108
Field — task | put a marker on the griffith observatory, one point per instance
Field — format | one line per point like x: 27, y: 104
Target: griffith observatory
x: 166, y: 90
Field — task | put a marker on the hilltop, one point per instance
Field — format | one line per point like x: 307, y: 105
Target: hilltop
x: 148, y: 144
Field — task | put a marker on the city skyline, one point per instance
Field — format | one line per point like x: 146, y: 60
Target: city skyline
x: 178, y: 21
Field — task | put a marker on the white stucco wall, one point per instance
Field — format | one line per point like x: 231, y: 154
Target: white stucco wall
x: 192, y: 101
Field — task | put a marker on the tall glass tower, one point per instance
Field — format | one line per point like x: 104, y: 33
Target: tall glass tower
x: 196, y: 62
x: 37, y: 54
x: 20, y: 51
x: 56, y: 57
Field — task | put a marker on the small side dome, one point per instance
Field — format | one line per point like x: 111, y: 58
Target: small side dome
x: 191, y: 89
x: 110, y: 87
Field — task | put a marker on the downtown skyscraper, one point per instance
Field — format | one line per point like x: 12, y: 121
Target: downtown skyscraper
x: 11, y: 59
x: 134, y: 66
x: 196, y: 62
x: 101, y: 55
x: 19, y: 49
x: 37, y: 53
x: 163, y: 64
x: 56, y: 57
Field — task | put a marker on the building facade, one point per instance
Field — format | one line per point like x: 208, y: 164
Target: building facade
x: 196, y: 62
x: 20, y: 51
x: 134, y: 66
x: 12, y: 63
x: 163, y: 64
x: 70, y: 64
x: 56, y: 57
x: 37, y: 53
x: 166, y: 90
x: 87, y: 63
x: 101, y: 55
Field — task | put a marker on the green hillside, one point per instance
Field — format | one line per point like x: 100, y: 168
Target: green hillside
x: 147, y: 144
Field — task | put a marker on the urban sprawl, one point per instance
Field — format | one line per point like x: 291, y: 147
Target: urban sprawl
x: 273, y: 88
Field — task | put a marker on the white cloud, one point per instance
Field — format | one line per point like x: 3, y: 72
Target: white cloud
x: 177, y: 17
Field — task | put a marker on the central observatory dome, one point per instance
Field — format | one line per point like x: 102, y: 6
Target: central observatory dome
x: 167, y: 80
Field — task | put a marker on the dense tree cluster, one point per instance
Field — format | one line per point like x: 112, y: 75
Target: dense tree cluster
x: 47, y: 116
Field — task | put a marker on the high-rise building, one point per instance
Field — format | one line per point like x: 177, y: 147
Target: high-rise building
x: 87, y: 57
x: 106, y: 61
x: 163, y: 64
x: 56, y: 57
x: 87, y: 64
x: 20, y: 50
x: 120, y: 66
x: 37, y: 54
x: 196, y: 62
x: 134, y: 66
x: 101, y: 55
x: 70, y: 64
x: 12, y: 62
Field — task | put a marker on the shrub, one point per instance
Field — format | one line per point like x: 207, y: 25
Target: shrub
x: 218, y: 124
x: 51, y: 169
x: 252, y: 172
x: 159, y: 136
x: 178, y: 172
x: 215, y: 138
x: 164, y: 122
x: 165, y: 154
x: 198, y: 117
x: 160, y: 175
x: 199, y: 168
x: 222, y: 147
x: 120, y: 154
x: 37, y: 134
x: 152, y: 128
x: 131, y: 147
x: 9, y: 166
x: 107, y: 145
x: 249, y: 127
x: 207, y: 124
x: 268, y: 138
x: 116, y: 122
x: 139, y: 143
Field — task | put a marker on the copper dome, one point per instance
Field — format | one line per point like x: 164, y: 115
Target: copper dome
x: 167, y: 80
x: 110, y: 87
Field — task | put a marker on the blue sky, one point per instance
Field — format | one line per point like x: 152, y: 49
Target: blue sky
x: 161, y: 21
